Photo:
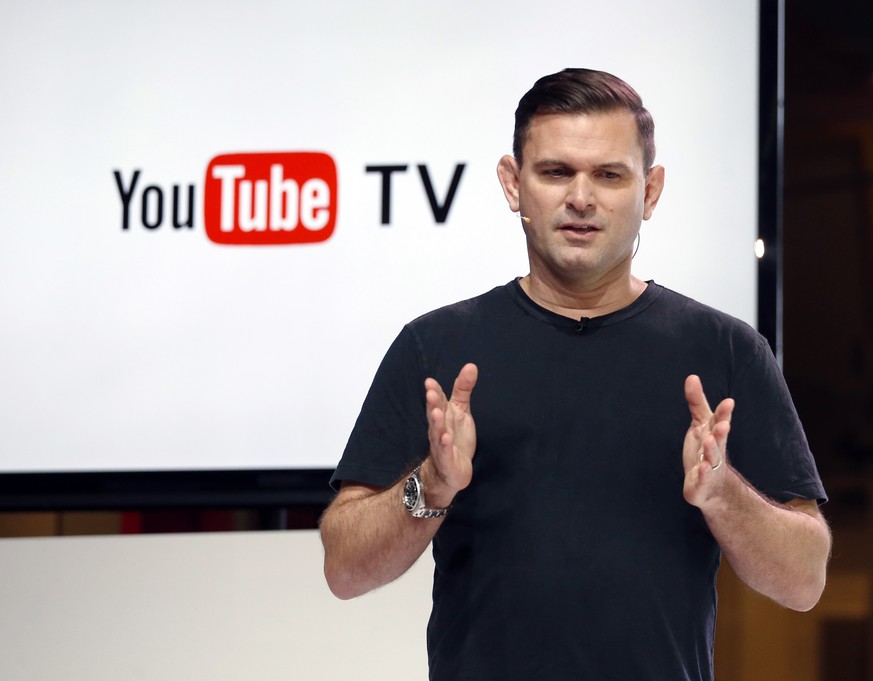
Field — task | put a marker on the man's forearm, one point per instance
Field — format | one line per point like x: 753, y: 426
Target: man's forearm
x: 778, y: 550
x: 370, y: 539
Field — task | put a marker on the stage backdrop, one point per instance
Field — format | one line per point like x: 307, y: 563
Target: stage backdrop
x: 217, y: 215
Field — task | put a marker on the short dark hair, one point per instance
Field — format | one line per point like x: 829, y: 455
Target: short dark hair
x: 583, y: 91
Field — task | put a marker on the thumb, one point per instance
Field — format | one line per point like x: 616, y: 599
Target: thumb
x: 464, y: 384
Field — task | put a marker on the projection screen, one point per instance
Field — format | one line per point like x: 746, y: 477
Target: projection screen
x: 217, y: 215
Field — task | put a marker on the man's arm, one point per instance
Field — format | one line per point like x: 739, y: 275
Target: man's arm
x: 780, y: 550
x: 369, y: 538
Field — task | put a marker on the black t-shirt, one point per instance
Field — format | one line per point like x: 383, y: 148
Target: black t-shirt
x: 573, y: 554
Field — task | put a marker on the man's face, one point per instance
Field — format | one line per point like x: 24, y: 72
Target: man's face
x: 583, y: 186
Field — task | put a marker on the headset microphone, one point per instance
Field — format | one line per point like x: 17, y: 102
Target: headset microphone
x: 525, y: 218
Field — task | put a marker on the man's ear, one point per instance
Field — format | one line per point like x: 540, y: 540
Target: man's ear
x: 507, y: 172
x: 654, y: 187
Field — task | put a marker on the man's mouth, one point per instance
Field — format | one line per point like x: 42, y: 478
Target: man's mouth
x: 580, y: 229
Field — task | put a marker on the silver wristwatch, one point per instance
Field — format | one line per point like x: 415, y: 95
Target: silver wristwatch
x: 413, y: 498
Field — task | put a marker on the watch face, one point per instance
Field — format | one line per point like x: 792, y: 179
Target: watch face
x: 410, y: 493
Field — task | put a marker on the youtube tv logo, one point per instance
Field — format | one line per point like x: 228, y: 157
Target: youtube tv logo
x: 269, y: 198
x: 264, y: 199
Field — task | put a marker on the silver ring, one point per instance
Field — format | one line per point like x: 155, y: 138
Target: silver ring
x: 715, y: 468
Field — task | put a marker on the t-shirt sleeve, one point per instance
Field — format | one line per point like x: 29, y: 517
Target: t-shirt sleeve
x: 767, y: 443
x: 390, y: 435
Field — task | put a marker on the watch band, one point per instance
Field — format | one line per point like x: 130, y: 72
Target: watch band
x: 413, y: 498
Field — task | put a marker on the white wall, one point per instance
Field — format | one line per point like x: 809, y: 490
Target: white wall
x: 222, y: 607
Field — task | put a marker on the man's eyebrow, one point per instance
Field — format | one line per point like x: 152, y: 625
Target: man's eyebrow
x: 549, y: 162
x: 606, y: 165
x: 614, y: 165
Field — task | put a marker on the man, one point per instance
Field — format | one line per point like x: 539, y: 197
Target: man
x: 578, y: 522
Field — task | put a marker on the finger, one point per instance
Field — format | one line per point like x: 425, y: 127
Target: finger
x: 696, y: 398
x: 714, y: 451
x: 697, y: 402
x: 722, y: 422
x: 464, y: 384
x: 720, y: 432
x: 724, y: 411
x: 438, y: 434
x: 434, y: 396
x: 435, y: 406
x: 445, y: 445
x: 436, y: 418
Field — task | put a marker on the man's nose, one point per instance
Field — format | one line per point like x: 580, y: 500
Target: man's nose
x: 580, y: 194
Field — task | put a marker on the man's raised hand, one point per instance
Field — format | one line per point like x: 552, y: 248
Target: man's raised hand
x: 704, y: 454
x: 452, y: 436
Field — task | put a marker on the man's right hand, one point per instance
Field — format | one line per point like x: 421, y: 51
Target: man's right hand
x: 452, y: 436
x: 369, y: 538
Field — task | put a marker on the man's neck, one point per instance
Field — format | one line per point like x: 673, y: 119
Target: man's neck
x: 577, y: 301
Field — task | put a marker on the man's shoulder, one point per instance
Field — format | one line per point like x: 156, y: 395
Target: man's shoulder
x: 694, y: 309
x: 693, y: 316
x: 478, y: 307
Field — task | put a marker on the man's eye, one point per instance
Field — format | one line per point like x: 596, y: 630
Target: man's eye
x: 556, y: 172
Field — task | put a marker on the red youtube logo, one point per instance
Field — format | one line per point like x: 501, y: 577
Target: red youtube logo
x: 270, y: 198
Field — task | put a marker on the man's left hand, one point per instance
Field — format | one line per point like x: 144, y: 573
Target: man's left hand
x: 704, y: 454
